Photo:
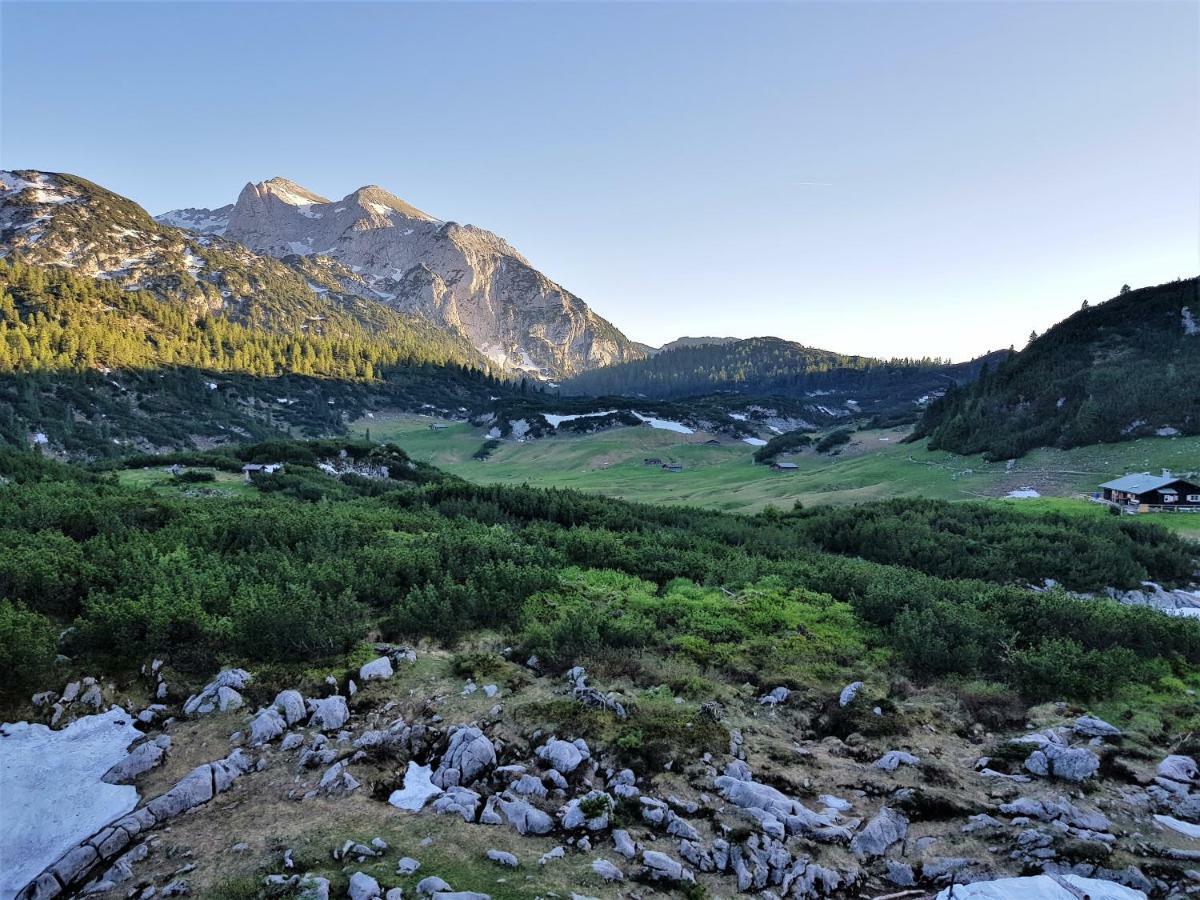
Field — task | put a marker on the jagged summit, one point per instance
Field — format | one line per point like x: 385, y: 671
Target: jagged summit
x: 286, y: 191
x: 372, y: 197
x: 460, y: 277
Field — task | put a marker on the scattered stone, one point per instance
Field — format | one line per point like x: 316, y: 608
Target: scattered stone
x: 329, y: 713
x: 526, y: 819
x: 468, y: 755
x: 775, y: 697
x: 290, y: 705
x: 624, y: 843
x: 407, y: 865
x: 887, y: 828
x: 458, y: 801
x: 376, y: 669
x: 1068, y: 763
x: 849, y: 692
x: 427, y: 887
x: 660, y: 867
x: 564, y: 756
x: 266, y: 726
x: 220, y: 694
x: 607, y: 871
x: 1090, y: 726
x: 142, y: 759
x: 893, y: 759
x: 549, y: 855
x: 503, y: 858
x: 363, y: 887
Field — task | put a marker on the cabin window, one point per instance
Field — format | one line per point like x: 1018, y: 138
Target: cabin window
x: 1193, y: 498
x: 1170, y: 498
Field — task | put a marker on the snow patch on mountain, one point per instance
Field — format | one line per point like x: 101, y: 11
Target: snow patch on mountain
x: 665, y: 424
x: 201, y: 221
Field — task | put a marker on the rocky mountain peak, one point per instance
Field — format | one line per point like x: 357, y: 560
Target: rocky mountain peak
x: 375, y: 199
x: 285, y: 191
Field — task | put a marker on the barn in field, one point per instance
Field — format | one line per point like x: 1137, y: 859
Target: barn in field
x: 1144, y: 492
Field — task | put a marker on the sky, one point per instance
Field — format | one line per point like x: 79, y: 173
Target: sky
x: 891, y: 179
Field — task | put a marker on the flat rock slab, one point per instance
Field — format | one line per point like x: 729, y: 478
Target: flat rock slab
x: 52, y: 793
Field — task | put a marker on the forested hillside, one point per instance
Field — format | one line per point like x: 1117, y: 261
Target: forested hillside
x: 768, y: 366
x: 1110, y: 372
x: 93, y: 370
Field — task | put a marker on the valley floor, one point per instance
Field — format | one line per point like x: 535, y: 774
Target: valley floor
x: 874, y: 466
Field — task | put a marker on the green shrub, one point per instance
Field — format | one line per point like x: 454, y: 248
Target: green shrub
x: 1060, y: 667
x: 27, y: 647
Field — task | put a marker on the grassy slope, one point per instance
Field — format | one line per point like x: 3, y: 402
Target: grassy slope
x: 724, y: 477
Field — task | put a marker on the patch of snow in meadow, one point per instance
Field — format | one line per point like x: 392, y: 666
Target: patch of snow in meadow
x: 1041, y: 887
x: 555, y: 419
x: 1025, y: 493
x: 418, y: 788
x: 665, y: 424
x: 754, y: 442
x: 52, y: 792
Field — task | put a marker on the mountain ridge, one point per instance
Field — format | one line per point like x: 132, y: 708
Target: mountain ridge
x: 464, y: 278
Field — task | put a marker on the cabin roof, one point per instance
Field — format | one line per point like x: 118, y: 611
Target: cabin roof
x: 1140, y: 482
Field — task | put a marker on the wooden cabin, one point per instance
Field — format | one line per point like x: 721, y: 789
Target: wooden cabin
x: 784, y: 467
x: 1144, y: 492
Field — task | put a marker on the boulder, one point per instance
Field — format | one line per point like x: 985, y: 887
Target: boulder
x: 1068, y: 763
x: 503, y: 858
x: 1182, y: 769
x: 363, y: 887
x: 849, y: 692
x: 775, y: 697
x: 624, y: 844
x: 525, y: 818
x: 660, y: 867
x: 431, y: 885
x: 607, y: 871
x: 142, y: 759
x: 1090, y: 726
x: 418, y: 788
x: 329, y: 714
x: 887, y: 828
x: 406, y: 865
x: 551, y: 855
x: 469, y: 754
x: 574, y: 816
x: 290, y: 705
x: 564, y: 756
x: 893, y: 759
x: 220, y: 694
x: 313, y: 887
x: 376, y: 669
x: 458, y: 801
x: 266, y: 726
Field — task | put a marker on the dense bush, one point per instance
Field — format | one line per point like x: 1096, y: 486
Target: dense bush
x: 285, y: 576
x: 27, y: 646
x: 833, y: 440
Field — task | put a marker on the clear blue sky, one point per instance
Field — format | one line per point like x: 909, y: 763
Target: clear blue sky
x: 892, y: 179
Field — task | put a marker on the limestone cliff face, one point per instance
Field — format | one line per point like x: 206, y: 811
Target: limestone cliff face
x: 459, y: 276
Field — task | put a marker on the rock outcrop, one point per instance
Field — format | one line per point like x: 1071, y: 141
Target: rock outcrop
x: 461, y: 277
